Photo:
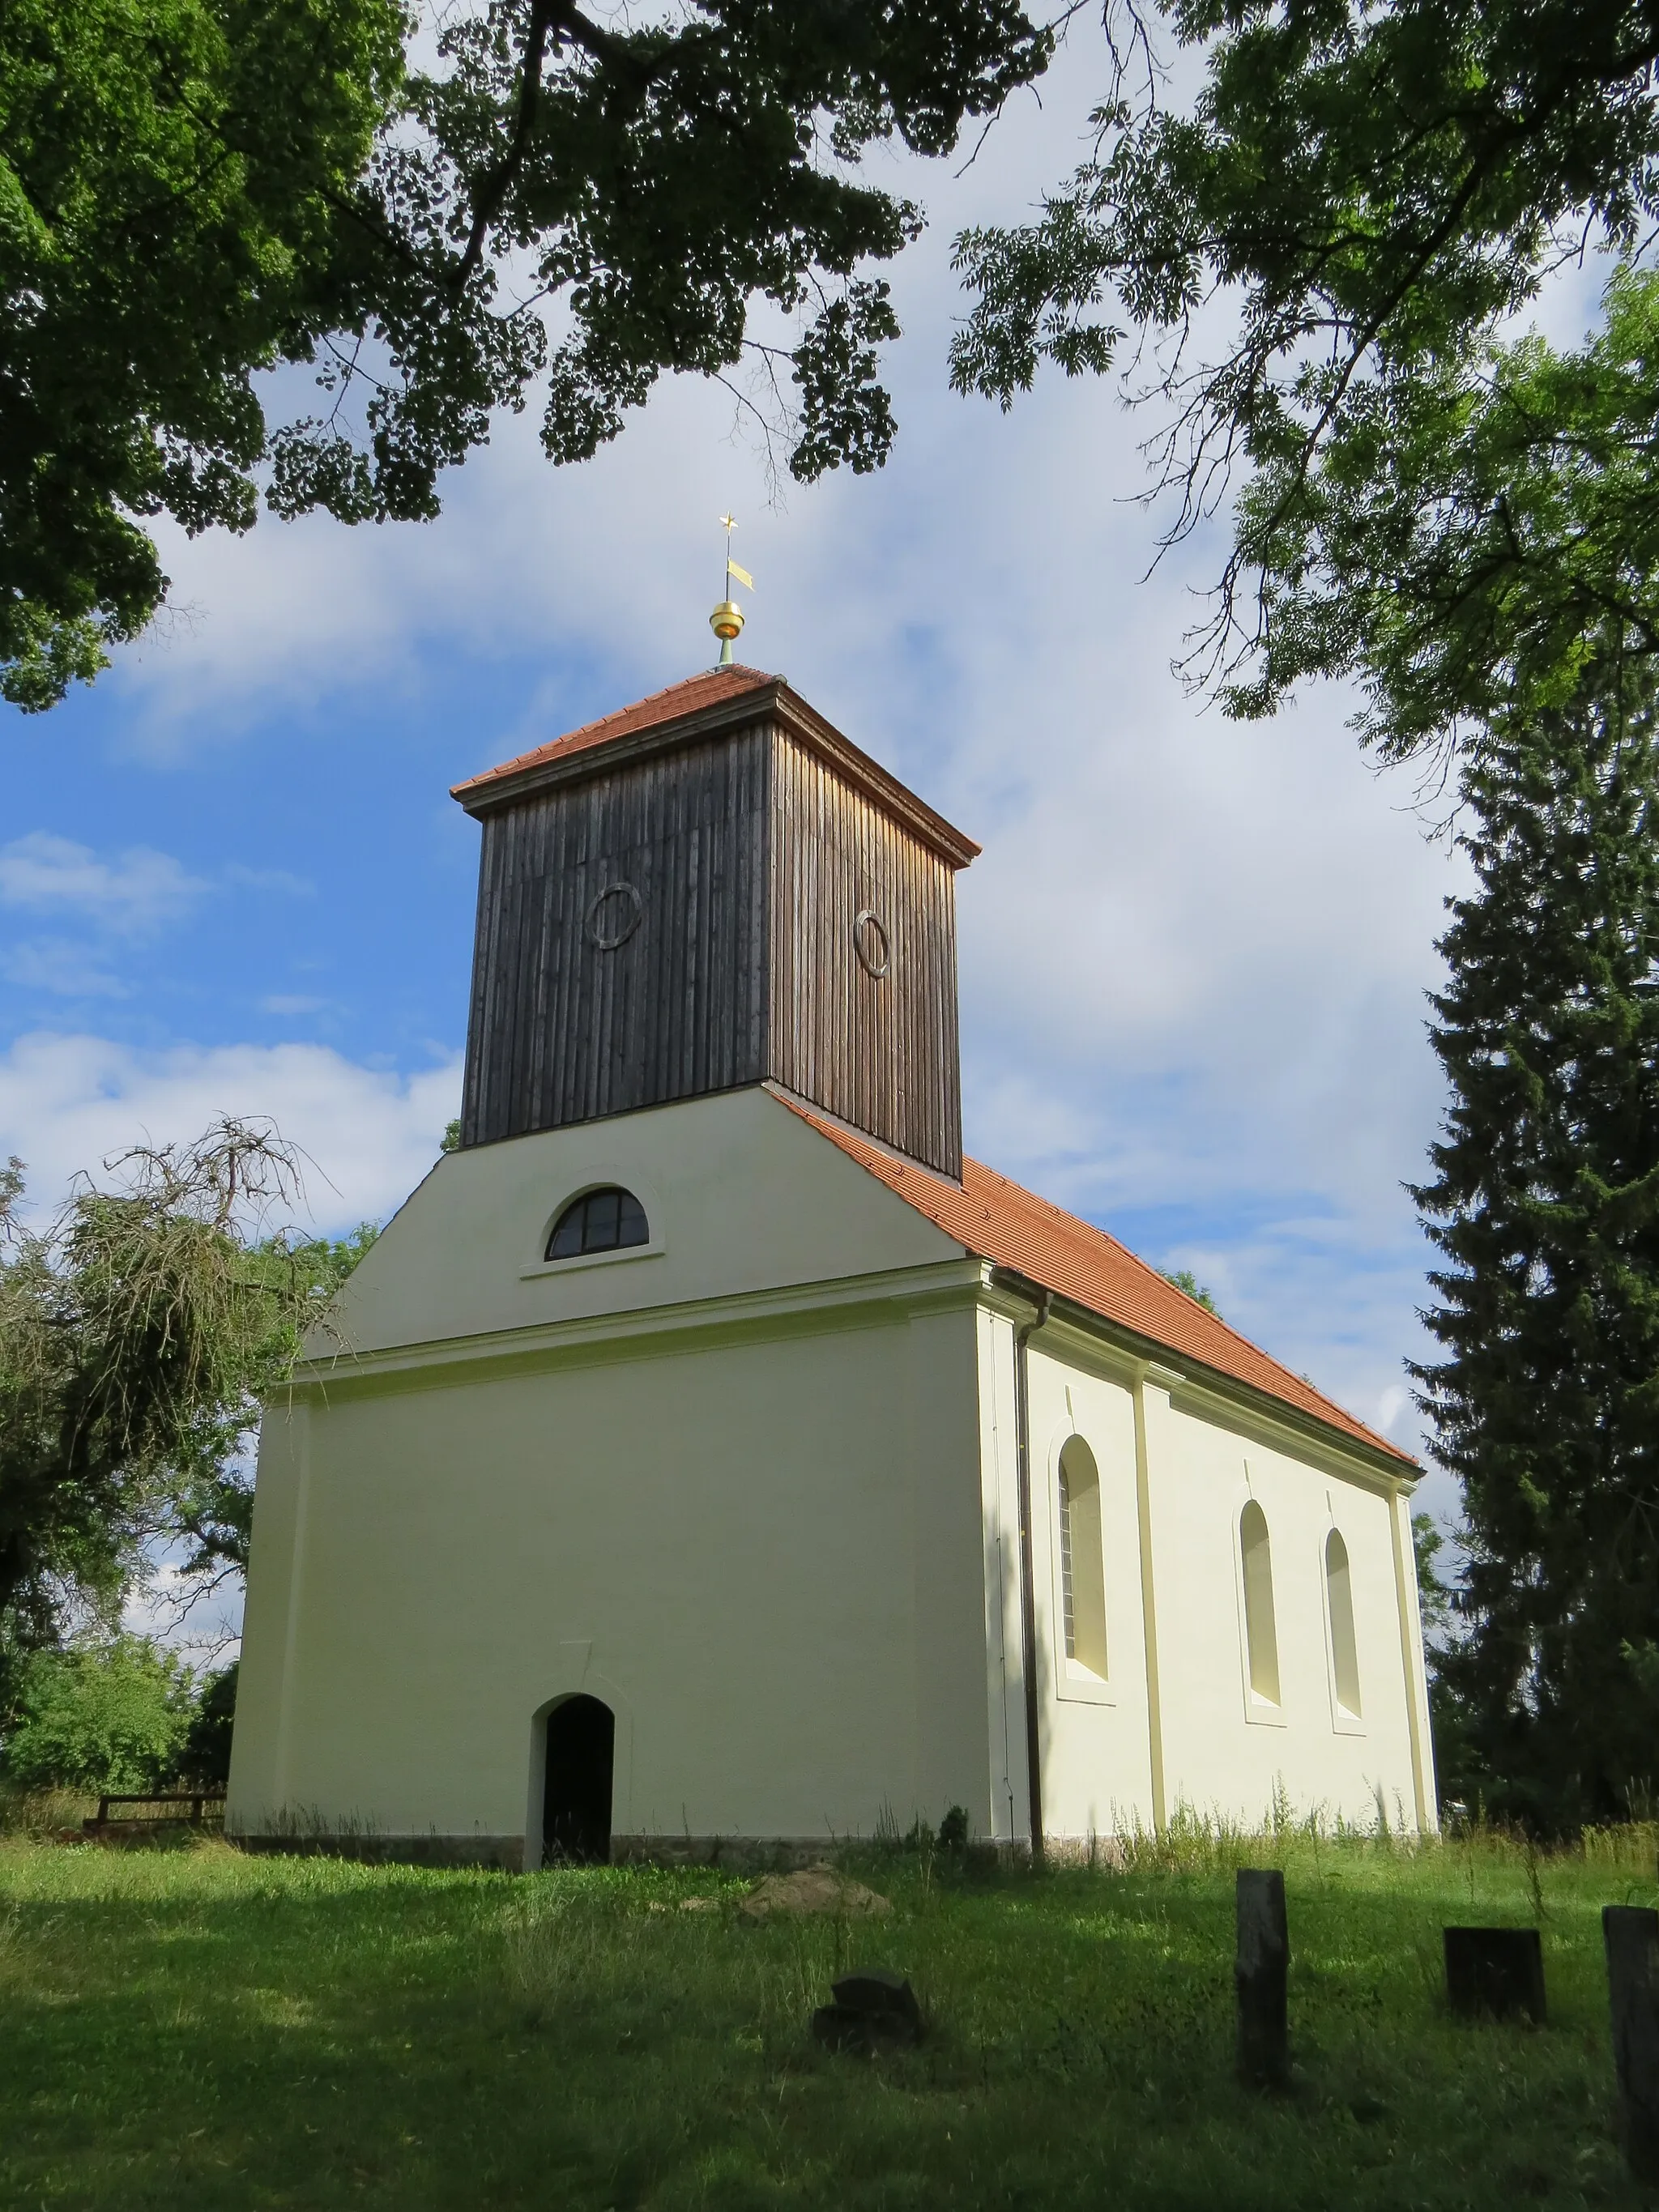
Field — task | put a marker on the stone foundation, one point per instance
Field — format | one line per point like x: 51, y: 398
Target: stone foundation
x: 732, y: 1854
x: 744, y: 1855
x: 504, y: 1853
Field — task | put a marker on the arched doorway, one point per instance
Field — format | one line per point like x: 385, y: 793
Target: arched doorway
x: 582, y: 1735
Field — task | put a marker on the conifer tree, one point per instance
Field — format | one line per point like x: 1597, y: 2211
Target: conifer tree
x: 1544, y: 1207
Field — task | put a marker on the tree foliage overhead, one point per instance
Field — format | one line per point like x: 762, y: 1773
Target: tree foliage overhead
x: 1317, y: 270
x: 1475, y: 535
x: 572, y: 201
x: 1321, y: 251
x: 174, y: 178
x: 1544, y: 1207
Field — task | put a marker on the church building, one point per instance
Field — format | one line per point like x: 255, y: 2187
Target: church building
x: 708, y: 1455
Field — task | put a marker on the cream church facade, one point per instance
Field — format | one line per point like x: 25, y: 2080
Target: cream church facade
x: 706, y: 1452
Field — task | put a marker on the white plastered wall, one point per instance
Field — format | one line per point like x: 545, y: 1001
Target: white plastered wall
x: 741, y: 1195
x: 1224, y: 1749
x: 729, y: 1485
x: 1096, y: 1736
x: 755, y: 1486
x: 1009, y: 1820
x: 1173, y: 1725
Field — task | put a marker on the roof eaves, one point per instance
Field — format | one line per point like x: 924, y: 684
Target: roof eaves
x: 1347, y: 1434
x: 911, y: 1180
x: 589, y: 752
x: 1347, y: 1422
x: 586, y: 751
x: 823, y: 737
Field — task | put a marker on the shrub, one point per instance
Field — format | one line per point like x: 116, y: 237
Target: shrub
x: 204, y: 1755
x: 101, y: 1716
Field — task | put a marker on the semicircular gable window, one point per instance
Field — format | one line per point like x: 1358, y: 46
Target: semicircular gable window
x: 606, y: 1221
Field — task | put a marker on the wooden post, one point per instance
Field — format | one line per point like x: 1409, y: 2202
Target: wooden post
x: 1629, y: 1934
x: 1261, y: 1974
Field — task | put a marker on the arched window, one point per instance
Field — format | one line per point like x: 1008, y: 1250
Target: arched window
x: 1081, y: 1568
x: 1261, y: 1637
x: 1345, y: 1651
x: 599, y: 1221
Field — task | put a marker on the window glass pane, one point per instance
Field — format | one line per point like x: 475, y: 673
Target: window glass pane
x: 1261, y: 1634
x: 566, y: 1241
x: 1345, y: 1647
x: 600, y: 1235
x: 602, y: 1221
x: 1082, y: 1559
x: 631, y: 1229
x: 1068, y: 1599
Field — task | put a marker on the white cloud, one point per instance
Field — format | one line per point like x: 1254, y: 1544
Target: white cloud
x: 44, y: 874
x: 204, y: 1626
x: 48, y: 964
x: 270, y: 879
x: 68, y: 1102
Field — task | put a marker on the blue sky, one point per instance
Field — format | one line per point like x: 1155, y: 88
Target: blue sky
x: 1194, y: 955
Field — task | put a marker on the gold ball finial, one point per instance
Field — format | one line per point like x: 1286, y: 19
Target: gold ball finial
x: 726, y: 620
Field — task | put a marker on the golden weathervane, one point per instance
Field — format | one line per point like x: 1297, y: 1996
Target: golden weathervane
x: 726, y: 620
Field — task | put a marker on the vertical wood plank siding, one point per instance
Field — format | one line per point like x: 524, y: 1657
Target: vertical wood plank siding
x: 562, y: 1030
x: 751, y: 858
x: 880, y: 1054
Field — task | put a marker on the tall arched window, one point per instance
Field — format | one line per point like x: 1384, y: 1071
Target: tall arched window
x: 599, y: 1221
x: 1082, y: 1564
x: 1345, y: 1651
x: 1261, y: 1637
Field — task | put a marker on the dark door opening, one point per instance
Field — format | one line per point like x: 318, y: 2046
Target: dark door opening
x: 582, y: 1736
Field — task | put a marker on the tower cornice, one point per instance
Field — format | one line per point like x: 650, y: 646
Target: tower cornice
x: 687, y: 713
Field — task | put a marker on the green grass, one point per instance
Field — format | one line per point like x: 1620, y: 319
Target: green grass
x: 194, y: 2028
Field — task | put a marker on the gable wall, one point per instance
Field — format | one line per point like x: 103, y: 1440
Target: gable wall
x: 741, y: 1196
x: 729, y: 1486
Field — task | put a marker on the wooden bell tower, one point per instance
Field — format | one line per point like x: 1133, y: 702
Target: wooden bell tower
x: 712, y: 889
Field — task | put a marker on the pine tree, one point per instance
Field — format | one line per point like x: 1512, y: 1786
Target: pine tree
x: 1546, y: 1209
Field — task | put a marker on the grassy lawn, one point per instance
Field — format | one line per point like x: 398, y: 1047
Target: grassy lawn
x: 194, y: 2028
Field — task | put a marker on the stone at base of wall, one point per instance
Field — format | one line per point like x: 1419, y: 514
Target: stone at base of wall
x: 1105, y: 1854
x: 505, y: 1853
x: 736, y: 1854
x: 733, y: 1854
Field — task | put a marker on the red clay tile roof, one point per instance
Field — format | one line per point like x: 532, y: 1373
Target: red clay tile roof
x: 1013, y: 1228
x: 714, y: 687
